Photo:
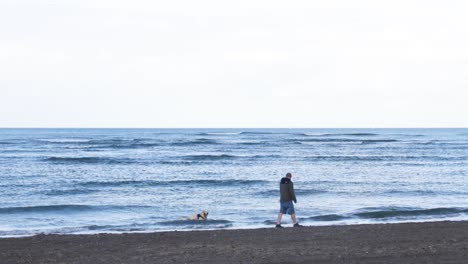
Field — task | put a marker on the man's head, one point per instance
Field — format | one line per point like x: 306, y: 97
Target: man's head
x: 288, y: 175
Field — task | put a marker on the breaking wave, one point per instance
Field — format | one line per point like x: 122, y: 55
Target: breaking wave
x: 64, y: 208
x: 69, y: 192
x: 210, y: 157
x: 350, y: 134
x: 45, y: 209
x: 371, y: 213
x: 328, y: 217
x: 210, y: 183
x: 343, y: 140
x: 102, y: 143
x: 209, y: 222
x: 195, y: 142
x: 391, y: 213
x: 89, y: 160
x: 219, y: 133
x: 256, y: 133
x: 383, y: 158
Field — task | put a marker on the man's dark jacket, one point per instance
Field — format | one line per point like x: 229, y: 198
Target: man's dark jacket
x: 287, y: 190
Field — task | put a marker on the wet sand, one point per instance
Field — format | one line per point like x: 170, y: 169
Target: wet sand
x: 433, y: 242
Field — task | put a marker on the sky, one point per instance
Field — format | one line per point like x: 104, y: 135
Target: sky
x: 255, y: 63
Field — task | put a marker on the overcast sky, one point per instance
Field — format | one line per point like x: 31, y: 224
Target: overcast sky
x: 147, y: 63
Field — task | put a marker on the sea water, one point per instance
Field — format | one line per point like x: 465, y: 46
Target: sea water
x: 74, y: 181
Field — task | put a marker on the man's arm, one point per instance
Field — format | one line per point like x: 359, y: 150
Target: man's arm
x: 291, y: 192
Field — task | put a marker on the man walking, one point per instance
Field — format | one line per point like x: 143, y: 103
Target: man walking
x: 287, y: 196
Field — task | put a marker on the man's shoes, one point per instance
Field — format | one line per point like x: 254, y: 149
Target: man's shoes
x: 295, y: 225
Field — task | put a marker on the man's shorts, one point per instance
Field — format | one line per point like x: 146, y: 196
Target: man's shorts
x: 287, y: 208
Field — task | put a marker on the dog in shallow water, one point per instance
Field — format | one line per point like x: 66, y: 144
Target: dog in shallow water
x: 201, y: 216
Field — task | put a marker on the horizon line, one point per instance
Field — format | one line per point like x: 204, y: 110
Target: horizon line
x: 233, y: 127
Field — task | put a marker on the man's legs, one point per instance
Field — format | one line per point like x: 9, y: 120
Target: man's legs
x: 278, y: 220
x: 295, y: 223
x: 293, y: 218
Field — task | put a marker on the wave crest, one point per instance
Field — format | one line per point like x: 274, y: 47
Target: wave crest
x: 402, y: 212
x: 209, y: 222
x: 89, y: 160
x: 169, y: 183
x: 45, y: 208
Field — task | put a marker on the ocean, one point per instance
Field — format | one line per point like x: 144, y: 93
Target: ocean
x: 87, y: 181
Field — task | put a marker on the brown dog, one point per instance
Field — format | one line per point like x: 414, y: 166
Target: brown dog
x: 201, y: 216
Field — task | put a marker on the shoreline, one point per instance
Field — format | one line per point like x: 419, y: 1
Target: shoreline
x: 423, y: 242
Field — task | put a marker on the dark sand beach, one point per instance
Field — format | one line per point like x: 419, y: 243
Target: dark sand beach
x: 432, y: 242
